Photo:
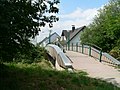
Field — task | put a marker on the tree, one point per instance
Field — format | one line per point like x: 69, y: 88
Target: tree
x: 21, y: 20
x: 104, y: 31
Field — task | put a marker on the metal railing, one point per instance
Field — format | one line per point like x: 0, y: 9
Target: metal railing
x: 93, y: 52
x: 56, y: 53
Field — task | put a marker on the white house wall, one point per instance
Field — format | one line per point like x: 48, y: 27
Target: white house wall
x: 52, y: 39
x: 76, y: 39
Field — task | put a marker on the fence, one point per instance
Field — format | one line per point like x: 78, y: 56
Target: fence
x: 93, y: 52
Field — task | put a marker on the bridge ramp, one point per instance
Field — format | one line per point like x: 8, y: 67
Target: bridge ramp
x: 94, y: 68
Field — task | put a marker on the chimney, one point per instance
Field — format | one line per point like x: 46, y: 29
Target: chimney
x: 73, y: 28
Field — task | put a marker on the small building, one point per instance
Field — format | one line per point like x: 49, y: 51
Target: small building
x: 72, y: 36
x: 51, y: 39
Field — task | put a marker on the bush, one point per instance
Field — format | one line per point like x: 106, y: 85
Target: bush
x: 35, y: 54
x: 115, y: 52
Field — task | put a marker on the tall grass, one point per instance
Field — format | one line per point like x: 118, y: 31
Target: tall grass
x: 40, y: 76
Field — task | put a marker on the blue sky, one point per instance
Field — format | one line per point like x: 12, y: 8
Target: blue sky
x: 74, y: 12
x: 67, y: 6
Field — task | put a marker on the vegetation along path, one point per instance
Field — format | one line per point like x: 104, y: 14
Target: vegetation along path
x: 94, y: 68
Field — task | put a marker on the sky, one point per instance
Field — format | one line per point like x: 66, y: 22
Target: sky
x: 73, y: 12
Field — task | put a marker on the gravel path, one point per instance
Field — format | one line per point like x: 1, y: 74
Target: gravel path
x: 94, y: 68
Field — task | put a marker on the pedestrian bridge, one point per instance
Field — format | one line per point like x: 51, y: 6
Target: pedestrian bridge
x: 96, y: 63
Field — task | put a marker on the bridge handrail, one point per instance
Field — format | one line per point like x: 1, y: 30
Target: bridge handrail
x: 58, y: 54
x: 60, y: 45
x: 111, y: 58
x: 64, y: 59
x: 89, y: 50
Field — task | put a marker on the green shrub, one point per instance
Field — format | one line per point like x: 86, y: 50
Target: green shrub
x: 34, y: 54
x: 115, y: 52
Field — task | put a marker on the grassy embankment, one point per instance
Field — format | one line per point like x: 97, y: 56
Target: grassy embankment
x: 41, y: 76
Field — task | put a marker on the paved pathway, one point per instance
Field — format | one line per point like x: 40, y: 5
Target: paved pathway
x: 94, y: 68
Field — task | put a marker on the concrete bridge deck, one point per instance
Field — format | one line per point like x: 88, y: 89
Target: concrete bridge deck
x: 94, y: 68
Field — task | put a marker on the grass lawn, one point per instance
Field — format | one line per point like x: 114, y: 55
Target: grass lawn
x: 41, y: 76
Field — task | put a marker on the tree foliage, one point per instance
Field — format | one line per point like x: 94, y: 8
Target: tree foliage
x: 21, y: 20
x: 104, y: 31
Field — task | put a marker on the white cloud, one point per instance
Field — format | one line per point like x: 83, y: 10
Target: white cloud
x: 81, y: 14
x: 79, y: 18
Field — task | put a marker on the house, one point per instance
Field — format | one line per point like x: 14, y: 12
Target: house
x: 51, y: 39
x: 72, y: 36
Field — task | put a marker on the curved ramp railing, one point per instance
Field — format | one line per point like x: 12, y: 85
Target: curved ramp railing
x: 91, y: 51
x: 59, y: 45
x: 56, y: 53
